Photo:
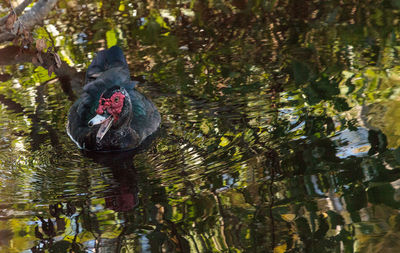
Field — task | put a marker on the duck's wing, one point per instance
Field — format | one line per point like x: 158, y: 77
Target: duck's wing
x: 146, y: 118
x: 109, y: 68
x: 105, y: 60
x: 77, y: 128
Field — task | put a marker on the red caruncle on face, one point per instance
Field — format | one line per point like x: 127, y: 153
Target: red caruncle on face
x: 112, y: 105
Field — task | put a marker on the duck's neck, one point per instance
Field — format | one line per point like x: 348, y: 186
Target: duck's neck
x: 123, y: 122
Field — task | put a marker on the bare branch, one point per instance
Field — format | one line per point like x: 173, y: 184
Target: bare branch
x: 38, y: 12
x: 71, y: 80
x: 29, y: 19
x: 12, y: 55
x: 18, y: 10
x: 6, y: 36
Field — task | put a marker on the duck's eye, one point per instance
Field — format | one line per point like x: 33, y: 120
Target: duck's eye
x: 116, y: 99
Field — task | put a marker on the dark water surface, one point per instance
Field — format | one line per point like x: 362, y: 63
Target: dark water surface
x: 279, y: 131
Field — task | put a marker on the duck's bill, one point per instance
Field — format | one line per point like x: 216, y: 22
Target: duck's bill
x: 105, y: 124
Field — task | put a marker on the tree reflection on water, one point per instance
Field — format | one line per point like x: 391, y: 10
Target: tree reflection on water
x: 279, y: 130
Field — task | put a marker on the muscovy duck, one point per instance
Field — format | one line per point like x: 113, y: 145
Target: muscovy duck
x: 111, y: 114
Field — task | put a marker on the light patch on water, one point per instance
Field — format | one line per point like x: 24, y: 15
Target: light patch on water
x: 167, y: 14
x: 187, y: 12
x: 352, y: 143
x: 314, y: 181
x: 19, y: 145
x: 53, y: 30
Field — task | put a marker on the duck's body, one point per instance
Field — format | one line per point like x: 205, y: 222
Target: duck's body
x: 111, y: 114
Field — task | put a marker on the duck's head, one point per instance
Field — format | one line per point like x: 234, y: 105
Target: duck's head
x: 113, y: 111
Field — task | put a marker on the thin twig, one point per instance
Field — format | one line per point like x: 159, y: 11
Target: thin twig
x: 52, y: 40
x: 9, y: 1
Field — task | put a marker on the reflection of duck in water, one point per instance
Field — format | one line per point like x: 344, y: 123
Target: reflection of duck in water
x: 123, y: 195
x: 111, y: 114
